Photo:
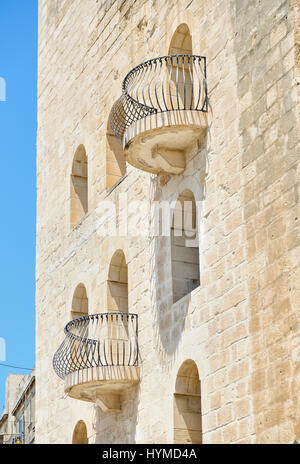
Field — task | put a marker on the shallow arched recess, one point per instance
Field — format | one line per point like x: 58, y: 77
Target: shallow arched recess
x: 187, y: 405
x: 79, y: 302
x: 79, y: 308
x: 117, y: 302
x: 80, y: 434
x: 117, y: 288
x: 115, y: 158
x: 185, y: 246
x: 181, y: 44
x: 79, y: 186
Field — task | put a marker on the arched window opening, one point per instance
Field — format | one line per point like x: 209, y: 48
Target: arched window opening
x: 181, y: 70
x: 187, y: 405
x: 185, y: 246
x: 80, y: 434
x: 117, y: 296
x: 79, y: 302
x: 79, y: 186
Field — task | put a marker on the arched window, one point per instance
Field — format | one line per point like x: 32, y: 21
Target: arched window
x: 80, y: 434
x: 79, y: 302
x: 117, y: 291
x: 184, y: 246
x: 187, y: 405
x: 181, y: 70
x: 79, y: 186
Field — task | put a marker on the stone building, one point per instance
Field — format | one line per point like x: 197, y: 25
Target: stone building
x: 17, y: 421
x: 195, y: 333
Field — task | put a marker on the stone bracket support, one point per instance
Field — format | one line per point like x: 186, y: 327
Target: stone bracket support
x: 109, y: 402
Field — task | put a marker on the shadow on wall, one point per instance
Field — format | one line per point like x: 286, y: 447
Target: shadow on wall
x: 118, y: 428
x: 176, y: 270
x: 79, y: 187
x: 115, y: 160
x: 266, y: 129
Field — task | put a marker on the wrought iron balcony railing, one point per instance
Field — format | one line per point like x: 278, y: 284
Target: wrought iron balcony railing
x: 108, y: 339
x: 168, y: 83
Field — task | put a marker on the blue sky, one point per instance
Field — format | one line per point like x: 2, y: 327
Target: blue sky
x: 18, y: 66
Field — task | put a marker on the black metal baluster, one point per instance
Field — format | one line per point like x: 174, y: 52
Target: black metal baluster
x: 192, y: 83
x: 205, y: 104
x: 110, y: 337
x: 177, y: 90
x: 160, y: 61
x: 99, y: 344
x: 150, y: 85
x: 184, y: 84
x: 136, y: 341
x: 104, y: 346
x: 145, y: 84
x: 163, y: 84
x: 117, y: 338
x: 130, y: 347
x: 199, y: 80
x: 124, y: 346
x: 170, y: 80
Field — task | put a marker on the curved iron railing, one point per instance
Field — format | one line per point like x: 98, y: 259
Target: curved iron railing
x: 168, y: 83
x: 107, y: 339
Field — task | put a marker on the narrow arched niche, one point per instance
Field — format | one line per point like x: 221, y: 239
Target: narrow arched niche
x: 79, y: 302
x: 181, y: 44
x: 80, y: 434
x: 117, y: 302
x: 115, y: 159
x: 187, y: 405
x: 117, y: 288
x: 184, y: 246
x: 79, y: 186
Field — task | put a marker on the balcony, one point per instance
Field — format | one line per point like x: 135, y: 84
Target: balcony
x: 98, y: 358
x: 162, y: 112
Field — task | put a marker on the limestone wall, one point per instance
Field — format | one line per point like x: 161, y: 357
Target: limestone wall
x: 241, y: 325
